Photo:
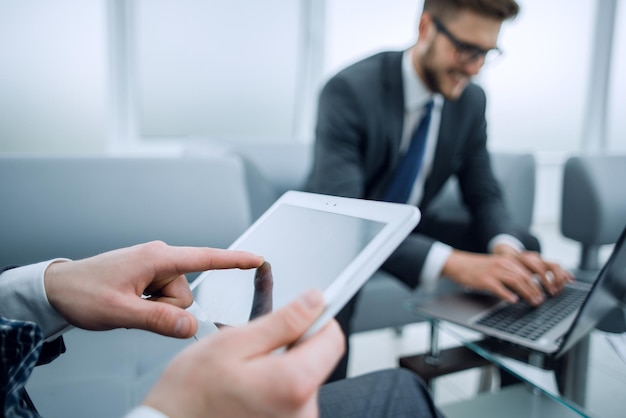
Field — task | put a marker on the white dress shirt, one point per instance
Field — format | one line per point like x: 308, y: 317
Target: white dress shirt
x: 23, y: 296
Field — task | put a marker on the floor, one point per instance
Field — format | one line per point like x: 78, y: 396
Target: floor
x: 380, y: 349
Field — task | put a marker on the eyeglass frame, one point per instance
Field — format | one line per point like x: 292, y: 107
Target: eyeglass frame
x: 466, y: 51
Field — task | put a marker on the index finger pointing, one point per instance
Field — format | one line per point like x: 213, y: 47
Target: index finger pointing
x: 193, y: 259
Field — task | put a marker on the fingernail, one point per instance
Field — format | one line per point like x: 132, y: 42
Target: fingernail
x: 311, y: 299
x: 183, y: 326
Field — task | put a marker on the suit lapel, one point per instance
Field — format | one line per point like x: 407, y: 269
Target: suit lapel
x: 394, y: 102
x: 391, y: 108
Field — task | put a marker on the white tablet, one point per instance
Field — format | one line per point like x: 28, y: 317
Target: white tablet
x: 310, y: 240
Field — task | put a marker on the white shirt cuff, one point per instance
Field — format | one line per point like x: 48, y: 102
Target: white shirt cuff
x: 23, y: 296
x: 507, y: 239
x: 433, y: 265
x: 145, y: 412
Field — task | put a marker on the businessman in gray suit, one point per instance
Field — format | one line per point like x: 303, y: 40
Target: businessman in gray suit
x: 369, y: 130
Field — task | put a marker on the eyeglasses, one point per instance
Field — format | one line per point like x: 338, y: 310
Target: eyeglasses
x: 466, y: 52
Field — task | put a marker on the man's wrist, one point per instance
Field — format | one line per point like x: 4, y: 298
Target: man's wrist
x: 505, y: 244
x: 433, y: 265
x: 504, y: 249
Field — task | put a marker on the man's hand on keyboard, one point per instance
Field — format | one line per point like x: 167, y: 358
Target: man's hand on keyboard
x: 508, y: 276
x: 552, y: 276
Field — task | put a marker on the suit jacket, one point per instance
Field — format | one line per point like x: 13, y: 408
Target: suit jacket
x: 358, y: 135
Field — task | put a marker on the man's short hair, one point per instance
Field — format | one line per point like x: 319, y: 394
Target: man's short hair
x: 497, y: 9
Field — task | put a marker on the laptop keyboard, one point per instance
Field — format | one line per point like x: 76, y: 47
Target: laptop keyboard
x: 530, y: 322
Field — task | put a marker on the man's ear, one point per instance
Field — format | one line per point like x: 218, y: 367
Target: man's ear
x: 426, y: 28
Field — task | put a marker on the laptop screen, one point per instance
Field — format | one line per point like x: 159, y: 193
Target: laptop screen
x: 608, y: 293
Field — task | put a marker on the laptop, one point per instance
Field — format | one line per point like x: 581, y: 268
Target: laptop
x: 310, y: 240
x: 550, y: 329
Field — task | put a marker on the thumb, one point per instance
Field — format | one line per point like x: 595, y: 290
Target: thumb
x: 282, y: 327
x: 165, y: 319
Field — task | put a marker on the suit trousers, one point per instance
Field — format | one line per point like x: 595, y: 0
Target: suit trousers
x: 390, y: 393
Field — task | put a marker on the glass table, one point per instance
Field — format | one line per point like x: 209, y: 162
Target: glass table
x: 591, y: 381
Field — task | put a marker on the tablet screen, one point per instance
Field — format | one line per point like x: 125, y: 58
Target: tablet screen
x: 306, y: 248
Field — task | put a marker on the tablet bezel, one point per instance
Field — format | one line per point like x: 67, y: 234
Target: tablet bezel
x: 398, y: 221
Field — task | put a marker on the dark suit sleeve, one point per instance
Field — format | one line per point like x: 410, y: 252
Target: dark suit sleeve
x: 480, y: 189
x: 407, y: 261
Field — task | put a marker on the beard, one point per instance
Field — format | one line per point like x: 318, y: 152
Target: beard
x: 434, y: 76
x: 430, y: 74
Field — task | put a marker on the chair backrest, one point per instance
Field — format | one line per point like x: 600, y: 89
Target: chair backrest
x: 272, y: 168
x: 593, y: 203
x: 287, y: 166
x: 78, y: 206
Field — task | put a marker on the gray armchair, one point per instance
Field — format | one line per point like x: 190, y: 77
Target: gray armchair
x: 593, y: 205
x: 593, y: 213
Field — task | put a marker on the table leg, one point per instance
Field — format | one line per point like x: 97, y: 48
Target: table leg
x: 571, y: 372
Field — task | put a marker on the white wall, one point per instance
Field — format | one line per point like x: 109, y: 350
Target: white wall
x: 222, y: 70
x: 230, y: 70
x: 52, y: 75
x: 537, y: 90
x: 356, y: 29
x: 617, y: 105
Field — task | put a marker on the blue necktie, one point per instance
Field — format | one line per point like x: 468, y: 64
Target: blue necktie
x: 401, y: 184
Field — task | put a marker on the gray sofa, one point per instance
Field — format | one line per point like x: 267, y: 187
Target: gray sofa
x: 78, y: 206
